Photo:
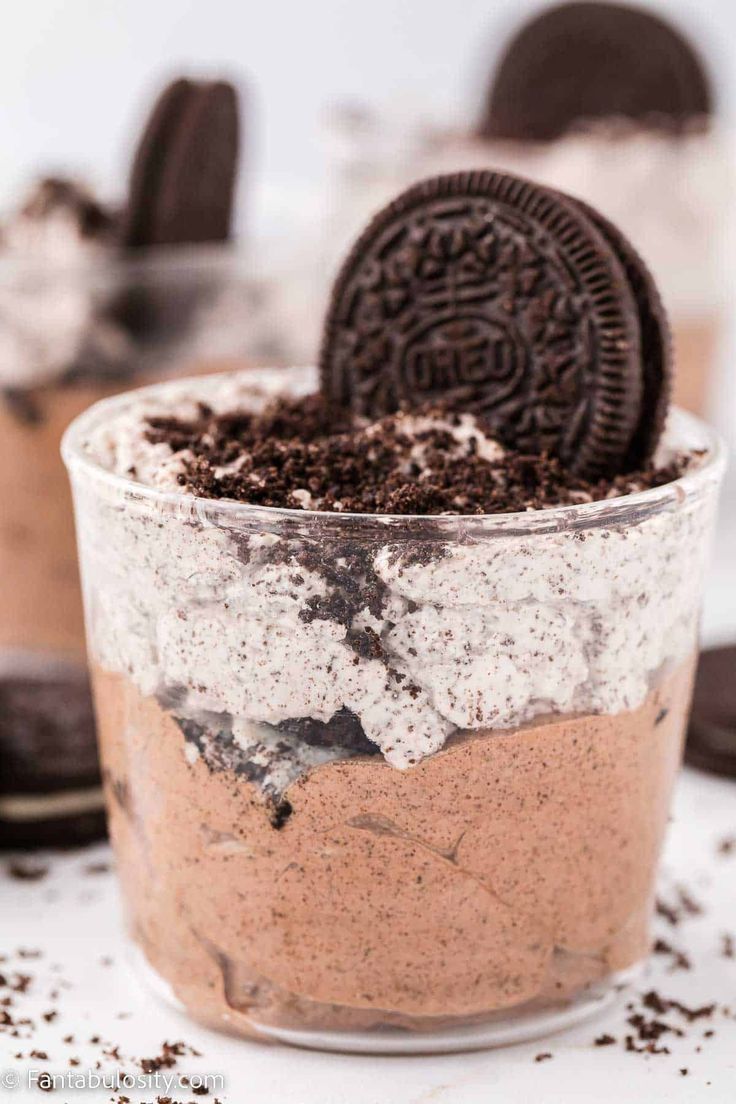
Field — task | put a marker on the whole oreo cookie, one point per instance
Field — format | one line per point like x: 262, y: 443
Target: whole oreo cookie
x: 656, y: 341
x: 711, y: 739
x: 588, y: 61
x: 50, y: 789
x: 510, y: 300
x: 183, y: 178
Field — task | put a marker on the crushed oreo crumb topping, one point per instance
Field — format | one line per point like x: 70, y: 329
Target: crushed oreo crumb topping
x: 302, y: 454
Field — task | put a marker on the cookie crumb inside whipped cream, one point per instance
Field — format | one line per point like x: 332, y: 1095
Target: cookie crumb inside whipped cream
x: 297, y: 452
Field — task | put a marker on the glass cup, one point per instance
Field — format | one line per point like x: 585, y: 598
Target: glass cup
x: 389, y: 784
x: 68, y: 337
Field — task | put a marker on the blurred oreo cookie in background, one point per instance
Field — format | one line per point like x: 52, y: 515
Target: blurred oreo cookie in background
x: 50, y: 790
x: 579, y: 62
x: 711, y: 739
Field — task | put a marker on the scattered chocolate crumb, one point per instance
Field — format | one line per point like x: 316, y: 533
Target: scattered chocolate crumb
x: 726, y: 846
x: 97, y: 868
x: 689, y: 904
x: 678, y: 959
x: 667, y: 912
x: 303, y: 454
x: 544, y: 1057
x: 168, y: 1057
x: 684, y: 1072
x: 662, y: 1005
x: 647, y: 1048
x: 604, y: 1040
x: 279, y: 813
x: 27, y: 871
x: 728, y: 945
x: 685, y: 905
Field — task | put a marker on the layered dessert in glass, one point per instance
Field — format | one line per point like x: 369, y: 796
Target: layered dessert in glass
x: 95, y: 299
x: 391, y: 701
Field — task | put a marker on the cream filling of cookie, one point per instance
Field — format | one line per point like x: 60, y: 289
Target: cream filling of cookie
x: 48, y: 806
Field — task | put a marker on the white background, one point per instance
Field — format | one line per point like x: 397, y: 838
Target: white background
x: 76, y: 74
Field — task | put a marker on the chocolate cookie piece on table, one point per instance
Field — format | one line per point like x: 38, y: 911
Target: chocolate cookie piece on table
x: 581, y: 62
x: 711, y: 740
x: 507, y: 299
x: 50, y: 791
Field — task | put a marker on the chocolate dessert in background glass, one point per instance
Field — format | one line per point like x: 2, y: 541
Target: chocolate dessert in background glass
x: 626, y: 121
x: 95, y: 300
x: 392, y: 676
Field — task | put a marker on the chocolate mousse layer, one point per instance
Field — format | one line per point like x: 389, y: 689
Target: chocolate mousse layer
x: 41, y: 607
x: 512, y: 870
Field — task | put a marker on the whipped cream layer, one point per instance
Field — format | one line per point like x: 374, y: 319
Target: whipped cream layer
x: 51, y: 313
x: 215, y: 609
x: 670, y: 195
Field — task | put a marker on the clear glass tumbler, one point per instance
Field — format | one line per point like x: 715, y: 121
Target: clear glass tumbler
x: 390, y: 784
x: 68, y: 337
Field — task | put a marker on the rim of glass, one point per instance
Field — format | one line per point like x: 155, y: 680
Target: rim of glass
x: 691, y: 431
x: 165, y: 260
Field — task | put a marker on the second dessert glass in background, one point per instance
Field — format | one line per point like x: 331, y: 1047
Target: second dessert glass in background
x: 69, y: 336
x: 627, y: 123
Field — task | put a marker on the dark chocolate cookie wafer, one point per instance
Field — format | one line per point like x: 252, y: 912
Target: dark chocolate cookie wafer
x: 656, y: 341
x: 711, y: 740
x: 588, y: 61
x: 183, y: 178
x: 50, y: 792
x: 504, y: 298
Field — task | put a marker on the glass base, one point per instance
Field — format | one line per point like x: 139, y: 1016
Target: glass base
x: 501, y: 1029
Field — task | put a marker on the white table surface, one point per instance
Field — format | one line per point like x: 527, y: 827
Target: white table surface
x: 72, y: 917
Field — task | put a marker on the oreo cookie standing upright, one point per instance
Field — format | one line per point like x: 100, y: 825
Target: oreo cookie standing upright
x: 182, y: 182
x: 50, y: 788
x: 581, y: 62
x: 510, y: 300
x: 181, y: 193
